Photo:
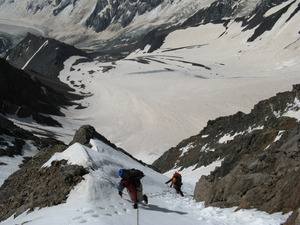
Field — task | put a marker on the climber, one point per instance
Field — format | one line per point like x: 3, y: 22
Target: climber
x: 131, y: 181
x: 176, y: 183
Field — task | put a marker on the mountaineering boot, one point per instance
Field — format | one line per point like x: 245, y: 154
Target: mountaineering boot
x: 145, y: 198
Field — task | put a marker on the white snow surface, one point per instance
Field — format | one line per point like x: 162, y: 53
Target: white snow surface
x: 147, y: 108
x: 94, y: 201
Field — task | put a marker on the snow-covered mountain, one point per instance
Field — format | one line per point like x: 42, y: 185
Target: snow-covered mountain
x: 150, y: 101
x: 165, y: 69
x: 103, y: 24
x: 96, y: 23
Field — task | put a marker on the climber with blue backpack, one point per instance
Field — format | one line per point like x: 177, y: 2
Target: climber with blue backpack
x: 131, y: 181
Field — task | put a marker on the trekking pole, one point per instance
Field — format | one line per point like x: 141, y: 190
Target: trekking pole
x: 137, y: 216
x: 169, y: 188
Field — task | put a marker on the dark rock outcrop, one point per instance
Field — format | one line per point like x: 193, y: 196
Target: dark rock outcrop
x: 5, y: 43
x: 222, y: 12
x: 41, y: 56
x: 21, y: 95
x: 43, y: 59
x: 36, y: 186
x: 294, y: 219
x: 211, y: 143
x: 15, y: 139
x: 87, y: 132
x: 260, y: 154
x: 262, y: 178
x: 122, y: 12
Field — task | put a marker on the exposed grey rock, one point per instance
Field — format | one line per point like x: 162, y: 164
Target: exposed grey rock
x: 87, y: 132
x: 122, y: 12
x: 42, y: 56
x: 36, y: 186
x: 263, y: 177
x: 294, y: 219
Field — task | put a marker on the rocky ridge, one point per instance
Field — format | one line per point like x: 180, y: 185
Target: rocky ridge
x: 41, y: 56
x: 34, y: 186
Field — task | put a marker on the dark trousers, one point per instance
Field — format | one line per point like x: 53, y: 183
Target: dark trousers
x: 178, y: 189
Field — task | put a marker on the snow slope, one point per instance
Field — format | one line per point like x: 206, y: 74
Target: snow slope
x: 149, y: 102
x: 95, y: 199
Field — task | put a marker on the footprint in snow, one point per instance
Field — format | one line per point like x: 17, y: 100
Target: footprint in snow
x: 126, y: 210
x: 89, y: 211
x: 83, y: 221
x: 77, y: 218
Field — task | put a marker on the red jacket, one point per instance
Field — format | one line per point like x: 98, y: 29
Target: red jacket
x: 131, y: 188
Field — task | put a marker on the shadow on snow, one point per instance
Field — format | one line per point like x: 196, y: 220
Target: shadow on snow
x: 160, y: 209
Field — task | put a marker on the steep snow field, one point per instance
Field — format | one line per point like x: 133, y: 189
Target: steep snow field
x: 95, y: 200
x: 149, y: 102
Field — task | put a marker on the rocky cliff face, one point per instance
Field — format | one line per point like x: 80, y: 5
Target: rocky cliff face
x: 221, y: 11
x: 251, y: 13
x: 265, y: 176
x: 25, y: 97
x: 33, y: 186
x: 121, y: 12
x: 41, y: 56
x: 214, y: 140
x: 127, y: 22
x: 29, y: 79
x: 260, y: 153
